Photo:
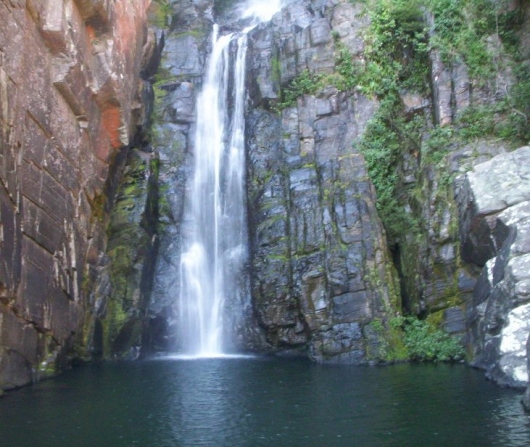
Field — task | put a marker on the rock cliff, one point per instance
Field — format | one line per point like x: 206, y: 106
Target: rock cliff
x: 321, y: 270
x: 327, y: 276
x: 494, y: 216
x: 324, y: 272
x: 386, y: 176
x: 69, y: 109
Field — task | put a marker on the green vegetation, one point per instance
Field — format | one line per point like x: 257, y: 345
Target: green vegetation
x: 396, y: 49
x: 388, y: 135
x: 408, y: 338
x: 479, y: 37
x: 306, y: 83
x: 480, y: 33
x: 483, y: 36
x: 98, y: 204
x: 396, y: 61
x: 129, y: 239
x: 163, y: 81
x: 159, y: 13
x: 506, y: 120
x: 424, y: 342
x: 461, y: 30
x: 395, y: 55
x: 391, y: 346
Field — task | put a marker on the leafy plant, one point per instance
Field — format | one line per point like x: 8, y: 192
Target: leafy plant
x: 396, y: 48
x: 426, y: 343
x: 305, y: 83
x: 461, y: 29
x: 350, y: 71
x: 387, y: 136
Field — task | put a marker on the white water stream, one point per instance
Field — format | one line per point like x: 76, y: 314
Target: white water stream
x: 215, y: 250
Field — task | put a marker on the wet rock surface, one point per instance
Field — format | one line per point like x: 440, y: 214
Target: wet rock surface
x: 319, y: 269
x: 319, y: 261
x: 186, y: 44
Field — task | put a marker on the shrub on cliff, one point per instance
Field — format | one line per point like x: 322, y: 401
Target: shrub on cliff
x: 426, y: 343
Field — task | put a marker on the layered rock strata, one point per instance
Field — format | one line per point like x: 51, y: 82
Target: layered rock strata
x: 69, y: 82
x: 321, y: 272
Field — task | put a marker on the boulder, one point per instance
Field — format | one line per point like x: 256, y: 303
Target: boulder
x: 494, y: 209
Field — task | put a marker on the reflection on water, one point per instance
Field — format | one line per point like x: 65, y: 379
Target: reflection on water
x: 263, y: 402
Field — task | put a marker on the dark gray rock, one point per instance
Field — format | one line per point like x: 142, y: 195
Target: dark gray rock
x: 187, y: 42
x: 319, y: 264
x: 454, y: 321
x: 184, y: 52
x: 342, y: 343
x: 152, y: 53
x: 180, y: 100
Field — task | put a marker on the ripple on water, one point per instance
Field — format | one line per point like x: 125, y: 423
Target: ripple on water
x: 261, y: 402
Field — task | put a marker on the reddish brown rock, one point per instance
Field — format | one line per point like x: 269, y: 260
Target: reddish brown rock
x: 69, y: 76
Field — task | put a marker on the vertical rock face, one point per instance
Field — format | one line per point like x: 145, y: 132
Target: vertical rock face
x: 470, y: 223
x: 320, y: 271
x: 320, y: 267
x: 69, y: 77
x: 462, y: 269
x: 495, y: 216
x: 187, y: 29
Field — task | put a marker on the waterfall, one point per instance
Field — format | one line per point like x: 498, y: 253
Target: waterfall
x: 214, y: 250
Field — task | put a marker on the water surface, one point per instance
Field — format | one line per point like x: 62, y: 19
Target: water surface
x: 263, y: 402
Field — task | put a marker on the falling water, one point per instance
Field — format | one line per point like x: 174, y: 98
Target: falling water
x: 215, y: 249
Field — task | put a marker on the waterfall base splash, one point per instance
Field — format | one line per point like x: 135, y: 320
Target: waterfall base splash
x: 204, y: 357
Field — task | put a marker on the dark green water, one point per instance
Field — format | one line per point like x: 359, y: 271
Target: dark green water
x: 263, y: 402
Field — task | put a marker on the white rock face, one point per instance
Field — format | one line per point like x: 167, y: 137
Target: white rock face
x: 502, y: 181
x: 495, y: 230
x: 519, y: 271
x: 513, y: 343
